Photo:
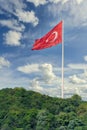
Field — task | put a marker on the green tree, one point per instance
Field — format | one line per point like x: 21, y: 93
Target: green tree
x: 76, y: 100
x: 74, y: 123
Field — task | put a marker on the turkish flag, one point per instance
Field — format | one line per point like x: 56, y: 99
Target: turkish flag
x: 52, y: 38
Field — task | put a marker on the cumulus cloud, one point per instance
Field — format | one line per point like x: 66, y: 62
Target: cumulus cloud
x: 4, y: 62
x: 27, y: 17
x: 13, y: 38
x: 85, y: 58
x: 45, y: 70
x: 70, y: 88
x: 29, y: 68
x: 12, y: 24
x: 38, y: 2
x: 35, y: 86
x: 47, y: 82
x: 47, y: 73
x: 76, y: 80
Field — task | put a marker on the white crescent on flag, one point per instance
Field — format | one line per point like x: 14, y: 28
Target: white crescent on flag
x: 55, y: 37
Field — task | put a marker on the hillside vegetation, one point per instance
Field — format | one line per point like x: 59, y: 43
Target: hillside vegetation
x: 27, y: 110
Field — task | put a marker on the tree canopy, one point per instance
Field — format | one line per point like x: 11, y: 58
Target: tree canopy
x: 21, y: 109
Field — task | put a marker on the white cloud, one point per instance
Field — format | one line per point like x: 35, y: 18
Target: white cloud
x: 68, y: 12
x: 79, y: 18
x: 29, y: 68
x: 18, y: 8
x: 4, y: 62
x: 85, y: 73
x: 79, y: 1
x: 77, y: 66
x: 50, y: 86
x: 70, y: 88
x: 76, y: 80
x: 43, y: 2
x: 38, y: 2
x: 85, y: 58
x: 27, y: 17
x: 12, y: 24
x: 13, y: 38
x: 48, y: 79
x: 57, y: 1
x: 64, y: 1
x: 47, y: 73
x: 75, y: 87
x: 45, y: 70
x: 35, y: 86
x: 10, y: 6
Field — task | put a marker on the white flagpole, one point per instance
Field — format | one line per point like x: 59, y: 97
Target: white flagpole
x: 62, y: 87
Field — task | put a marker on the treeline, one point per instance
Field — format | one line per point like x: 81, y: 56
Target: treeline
x: 27, y: 110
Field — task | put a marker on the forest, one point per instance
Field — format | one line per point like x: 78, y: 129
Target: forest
x: 22, y: 109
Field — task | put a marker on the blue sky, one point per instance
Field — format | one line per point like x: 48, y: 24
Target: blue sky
x: 23, y: 21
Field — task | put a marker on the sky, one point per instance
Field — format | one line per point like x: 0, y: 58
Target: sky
x: 23, y: 21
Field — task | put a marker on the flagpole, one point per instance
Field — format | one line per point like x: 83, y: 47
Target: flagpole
x: 62, y: 87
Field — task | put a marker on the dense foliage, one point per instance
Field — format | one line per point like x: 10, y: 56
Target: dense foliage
x: 27, y: 110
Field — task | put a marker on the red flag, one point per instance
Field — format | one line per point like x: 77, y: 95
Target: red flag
x: 52, y: 38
